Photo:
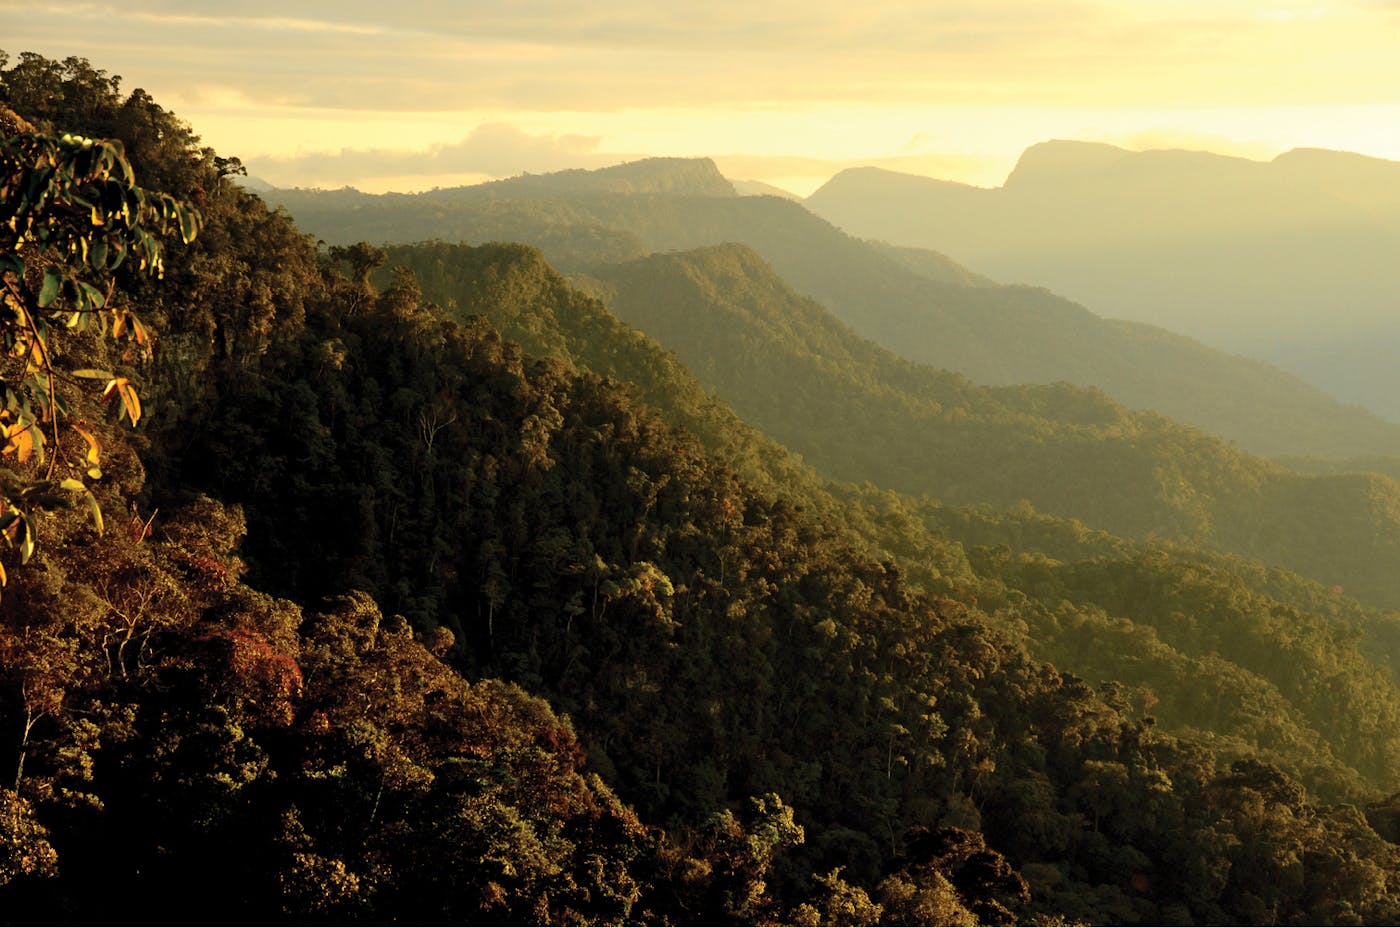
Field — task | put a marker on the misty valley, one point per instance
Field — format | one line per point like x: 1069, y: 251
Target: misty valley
x: 637, y: 545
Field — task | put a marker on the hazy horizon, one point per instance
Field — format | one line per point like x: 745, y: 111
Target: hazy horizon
x: 428, y: 94
x: 891, y: 165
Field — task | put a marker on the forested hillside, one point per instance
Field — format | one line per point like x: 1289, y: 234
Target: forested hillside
x: 919, y: 305
x: 520, y: 294
x: 859, y: 413
x: 394, y: 619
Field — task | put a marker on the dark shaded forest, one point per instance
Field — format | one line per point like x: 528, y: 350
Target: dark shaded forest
x: 431, y: 591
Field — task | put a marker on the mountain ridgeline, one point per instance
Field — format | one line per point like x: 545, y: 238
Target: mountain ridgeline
x: 529, y: 301
x: 920, y: 305
x: 1291, y: 260
x: 445, y: 596
x: 859, y: 413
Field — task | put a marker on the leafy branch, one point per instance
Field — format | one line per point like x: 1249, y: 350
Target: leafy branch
x: 71, y: 215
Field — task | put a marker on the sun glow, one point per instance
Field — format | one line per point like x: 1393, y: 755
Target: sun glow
x: 948, y: 89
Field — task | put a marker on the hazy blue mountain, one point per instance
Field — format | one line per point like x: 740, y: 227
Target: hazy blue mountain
x: 1292, y: 260
x: 921, y: 305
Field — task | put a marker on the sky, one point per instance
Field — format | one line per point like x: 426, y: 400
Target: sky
x: 421, y: 93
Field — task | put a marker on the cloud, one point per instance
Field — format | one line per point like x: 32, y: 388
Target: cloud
x: 270, y: 23
x: 366, y: 80
x: 669, y: 24
x: 605, y: 55
x: 501, y: 150
x: 490, y: 150
x: 550, y: 54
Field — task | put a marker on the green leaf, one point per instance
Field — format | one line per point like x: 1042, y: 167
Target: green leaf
x: 123, y: 166
x: 92, y: 296
x: 36, y: 436
x: 97, y: 255
x: 13, y: 264
x: 95, y: 511
x: 72, y: 483
x: 92, y: 373
x: 48, y: 292
x: 26, y: 540
x: 189, y: 224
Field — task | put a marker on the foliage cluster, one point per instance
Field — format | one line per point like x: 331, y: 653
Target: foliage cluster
x: 71, y: 215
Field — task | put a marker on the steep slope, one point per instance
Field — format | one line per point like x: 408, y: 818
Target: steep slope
x: 932, y: 265
x: 927, y: 309
x: 857, y: 412
x: 1297, y: 726
x: 529, y: 303
x: 1291, y: 260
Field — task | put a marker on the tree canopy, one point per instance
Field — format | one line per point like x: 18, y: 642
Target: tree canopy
x: 483, y: 610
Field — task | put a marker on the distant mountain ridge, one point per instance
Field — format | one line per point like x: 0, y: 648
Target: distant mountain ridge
x: 1291, y: 261
x: 757, y: 188
x: 922, y: 305
x: 859, y: 413
x: 696, y: 177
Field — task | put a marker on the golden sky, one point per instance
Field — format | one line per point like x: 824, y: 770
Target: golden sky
x: 409, y: 95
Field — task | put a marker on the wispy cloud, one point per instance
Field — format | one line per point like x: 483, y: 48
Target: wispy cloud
x: 608, y: 54
x: 292, y: 73
x: 274, y: 23
x: 491, y: 150
x: 497, y: 150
